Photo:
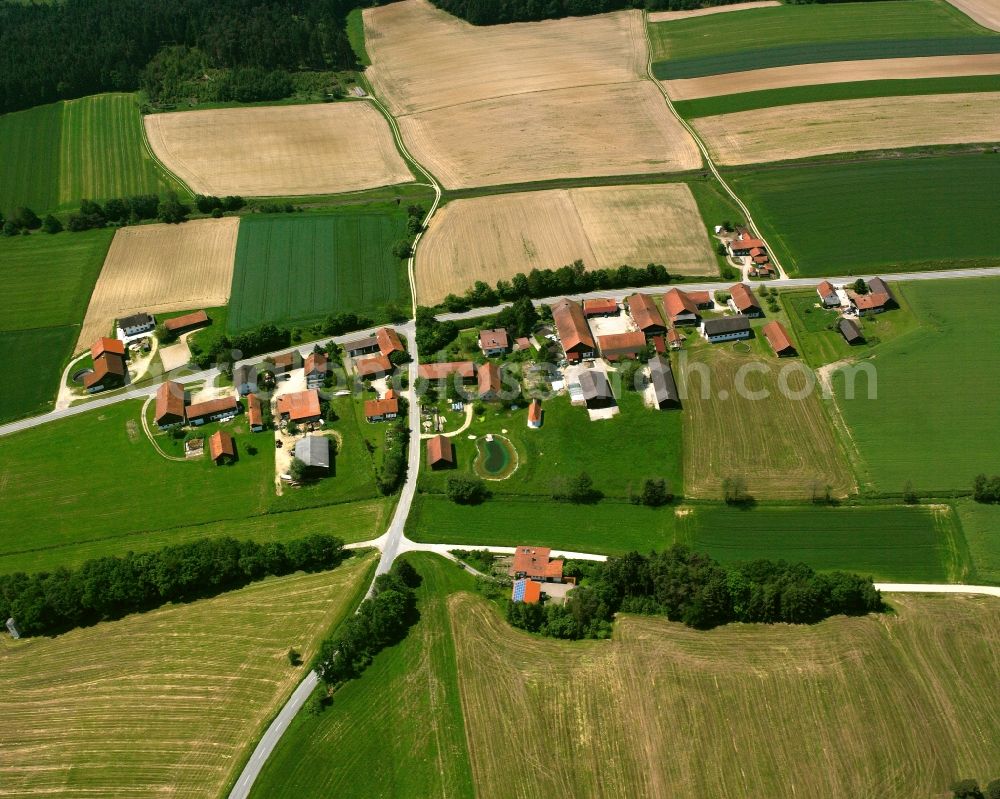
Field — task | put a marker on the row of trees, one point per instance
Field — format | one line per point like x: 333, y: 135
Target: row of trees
x: 403, y: 248
x: 111, y: 587
x: 970, y: 789
x: 693, y: 588
x: 391, y: 472
x: 266, y: 338
x: 986, y: 489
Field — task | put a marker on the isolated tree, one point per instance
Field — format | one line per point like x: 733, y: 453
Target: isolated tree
x: 52, y: 225
x: 860, y: 286
x: 294, y: 658
x: 464, y: 490
x: 26, y: 218
x: 734, y: 490
x: 10, y: 229
x: 297, y: 470
x: 629, y: 371
x: 910, y: 494
x: 655, y: 493
x: 402, y: 249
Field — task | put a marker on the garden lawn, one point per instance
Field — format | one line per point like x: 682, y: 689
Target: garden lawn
x: 292, y: 268
x: 934, y: 422
x: 901, y: 214
x: 397, y: 730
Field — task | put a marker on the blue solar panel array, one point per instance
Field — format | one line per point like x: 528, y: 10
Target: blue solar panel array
x: 518, y: 595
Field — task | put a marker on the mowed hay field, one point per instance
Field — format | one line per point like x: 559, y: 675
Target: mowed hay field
x: 897, y: 705
x: 279, y: 151
x: 811, y: 129
x: 57, y: 154
x: 934, y: 419
x: 492, y: 238
x: 160, y: 268
x: 481, y: 106
x: 165, y: 702
x: 302, y: 268
x: 784, y: 447
x: 668, y: 16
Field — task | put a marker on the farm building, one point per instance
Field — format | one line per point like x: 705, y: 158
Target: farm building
x: 616, y: 346
x: 361, y: 346
x: 189, y: 321
x: 522, y: 343
x: 221, y: 447
x: 745, y: 243
x: 442, y: 371
x: 169, y: 409
x: 286, y: 362
x: 440, y: 453
x: 701, y: 299
x: 494, y: 342
x: 300, y: 407
x: 245, y: 379
x: 680, y: 308
x: 535, y: 414
x: 314, y: 452
x: 388, y: 341
x: 255, y: 414
x: 850, y: 331
x: 664, y: 386
x: 675, y: 340
x: 728, y: 328
x: 602, y: 306
x: 744, y: 301
x: 646, y: 315
x: 317, y: 367
x: 216, y: 410
x: 778, y: 338
x: 109, y: 368
x: 878, y: 299
x: 527, y: 591
x: 596, y: 389
x: 489, y: 381
x: 574, y: 333
x: 373, y: 368
x: 380, y: 410
x: 535, y: 563
x: 136, y: 324
x: 828, y: 294
x: 107, y: 346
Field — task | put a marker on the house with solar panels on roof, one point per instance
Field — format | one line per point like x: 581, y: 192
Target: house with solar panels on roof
x: 531, y: 569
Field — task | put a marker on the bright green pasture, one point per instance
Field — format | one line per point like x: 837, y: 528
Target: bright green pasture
x: 29, y: 167
x: 981, y: 525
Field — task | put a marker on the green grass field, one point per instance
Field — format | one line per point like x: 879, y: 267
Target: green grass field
x: 397, y: 730
x: 981, y: 526
x: 934, y: 421
x: 48, y: 284
x: 166, y: 702
x: 302, y: 268
x: 796, y: 34
x: 901, y: 214
x: 855, y: 90
x: 94, y: 147
x: 93, y: 485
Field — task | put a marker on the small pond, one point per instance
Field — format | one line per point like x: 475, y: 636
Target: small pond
x: 497, y: 458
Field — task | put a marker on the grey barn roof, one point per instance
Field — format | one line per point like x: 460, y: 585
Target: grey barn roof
x: 727, y: 324
x: 662, y: 376
x: 595, y: 385
x: 361, y: 344
x: 314, y: 451
x: 244, y: 374
x: 849, y: 329
x: 878, y: 286
x: 135, y: 320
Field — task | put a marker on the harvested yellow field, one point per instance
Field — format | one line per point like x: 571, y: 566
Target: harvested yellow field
x: 160, y: 268
x: 669, y: 16
x: 985, y: 12
x: 809, y: 129
x: 891, y: 705
x: 752, y: 80
x: 494, y: 238
x: 164, y: 703
x: 279, y: 151
x: 589, y: 131
x: 424, y: 58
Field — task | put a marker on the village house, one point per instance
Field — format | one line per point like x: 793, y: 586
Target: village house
x: 522, y: 343
x: 616, y: 346
x: 373, y: 368
x: 850, y: 331
x: 779, y: 339
x: 440, y: 453
x: 314, y: 452
x: 136, y: 324
x: 661, y: 376
x: 573, y: 331
x: 745, y: 243
x: 169, y: 409
x: 878, y: 299
x: 108, y: 356
x: 317, y: 366
x: 535, y: 564
x: 601, y: 306
x: 535, y: 414
x: 301, y: 407
x: 494, y: 342
x: 828, y: 294
x: 388, y: 341
x: 701, y: 299
x: 216, y: 410
x: 221, y: 447
x: 245, y: 379
x: 646, y: 315
x: 527, y: 591
x: 187, y: 322
x: 728, y: 328
x: 489, y: 380
x: 380, y: 410
x: 255, y: 414
x: 744, y: 301
x: 596, y: 390
x: 361, y: 346
x: 286, y: 362
x: 680, y: 308
x: 466, y: 370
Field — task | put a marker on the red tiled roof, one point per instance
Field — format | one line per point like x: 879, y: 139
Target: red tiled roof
x: 674, y: 335
x: 659, y: 344
x: 187, y: 320
x: 743, y: 298
x: 300, y: 405
x: 700, y: 297
x: 522, y: 343
x: 105, y: 365
x: 535, y: 411
x: 865, y: 302
x: 316, y: 362
x: 825, y: 289
x: 532, y: 592
x: 617, y: 344
x: 760, y: 259
x: 571, y: 326
x: 599, y: 306
x: 777, y: 337
x: 488, y: 378
x: 534, y: 562
x: 388, y: 341
x: 644, y: 311
x: 376, y: 365
x: 169, y: 401
x: 254, y: 413
x: 678, y: 303
x: 104, y: 344
x: 496, y: 339
x: 381, y: 407
x: 221, y: 443
x: 209, y: 407
x: 437, y: 371
x: 439, y: 450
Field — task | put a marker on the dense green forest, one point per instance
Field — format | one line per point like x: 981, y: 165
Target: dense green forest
x: 65, y: 50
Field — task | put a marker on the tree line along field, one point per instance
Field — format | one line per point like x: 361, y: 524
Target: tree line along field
x: 403, y: 713
x: 944, y: 201
x: 300, y: 268
x: 171, y: 700
x: 934, y: 421
x: 48, y: 282
x: 94, y: 148
x: 886, y: 703
x: 814, y: 33
x: 49, y: 476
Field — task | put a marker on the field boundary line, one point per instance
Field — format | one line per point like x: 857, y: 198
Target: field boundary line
x: 704, y: 150
x: 157, y: 163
